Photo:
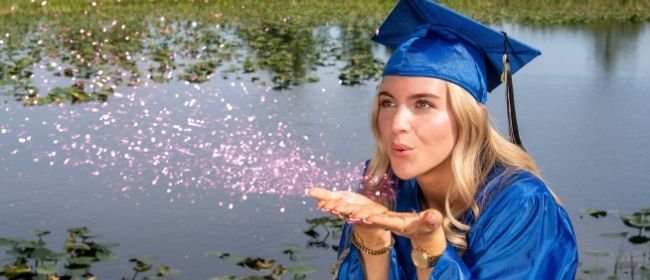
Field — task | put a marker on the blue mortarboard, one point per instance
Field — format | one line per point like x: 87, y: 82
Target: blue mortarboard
x: 431, y: 40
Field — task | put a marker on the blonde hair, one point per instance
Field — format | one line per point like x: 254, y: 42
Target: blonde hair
x: 478, y: 149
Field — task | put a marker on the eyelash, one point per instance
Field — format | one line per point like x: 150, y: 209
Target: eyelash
x: 419, y: 104
x: 386, y: 103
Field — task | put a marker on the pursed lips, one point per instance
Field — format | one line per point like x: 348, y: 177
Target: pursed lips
x: 398, y: 149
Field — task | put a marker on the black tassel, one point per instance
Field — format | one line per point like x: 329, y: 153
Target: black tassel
x: 506, y: 77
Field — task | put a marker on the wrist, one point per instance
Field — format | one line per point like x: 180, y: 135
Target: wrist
x: 434, y: 243
x: 372, y: 238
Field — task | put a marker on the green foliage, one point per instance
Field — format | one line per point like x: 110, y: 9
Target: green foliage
x: 595, y: 213
x: 33, y: 260
x: 628, y: 263
x: 106, y: 44
x: 270, y: 269
x: 553, y: 11
x: 332, y: 227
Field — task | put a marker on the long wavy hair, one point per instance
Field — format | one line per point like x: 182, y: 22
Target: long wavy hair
x: 478, y: 149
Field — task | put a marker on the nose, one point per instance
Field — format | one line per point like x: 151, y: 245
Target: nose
x: 401, y: 120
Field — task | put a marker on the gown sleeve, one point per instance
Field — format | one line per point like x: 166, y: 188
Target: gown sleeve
x: 522, y: 234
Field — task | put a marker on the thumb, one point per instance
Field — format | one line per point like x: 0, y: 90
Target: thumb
x: 431, y: 218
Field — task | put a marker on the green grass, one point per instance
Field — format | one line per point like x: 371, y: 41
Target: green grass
x: 554, y: 11
x: 542, y: 11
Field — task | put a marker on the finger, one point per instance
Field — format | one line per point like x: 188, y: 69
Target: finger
x: 333, y: 205
x: 323, y: 194
x: 431, y: 218
x: 396, y: 222
x: 364, y: 212
x: 345, y: 208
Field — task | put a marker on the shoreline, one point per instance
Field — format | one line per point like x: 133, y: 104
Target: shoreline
x: 488, y: 11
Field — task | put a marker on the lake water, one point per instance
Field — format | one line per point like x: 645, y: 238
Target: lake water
x: 141, y: 169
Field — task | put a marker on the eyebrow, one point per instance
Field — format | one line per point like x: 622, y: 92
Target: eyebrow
x: 414, y: 96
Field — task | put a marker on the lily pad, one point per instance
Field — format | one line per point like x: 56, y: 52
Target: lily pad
x: 305, y: 257
x: 166, y: 270
x: 595, y: 270
x: 81, y: 261
x: 615, y: 234
x: 636, y: 220
x: 47, y: 269
x: 257, y: 263
x: 596, y: 213
x: 217, y: 254
x: 78, y: 230
x: 41, y: 253
x: 597, y: 253
x: 76, y: 246
x: 13, y: 271
x: 103, y: 256
x: 10, y: 241
x: 140, y: 265
x: 644, y: 272
x: 76, y: 272
x: 302, y: 269
x: 638, y: 239
x: 39, y: 233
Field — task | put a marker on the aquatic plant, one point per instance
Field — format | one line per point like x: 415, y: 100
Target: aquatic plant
x: 629, y: 262
x: 34, y: 260
x: 269, y: 268
x: 105, y: 44
x: 279, y: 44
x: 323, y: 232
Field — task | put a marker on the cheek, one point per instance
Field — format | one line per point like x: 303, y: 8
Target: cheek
x: 384, y: 122
x: 437, y: 131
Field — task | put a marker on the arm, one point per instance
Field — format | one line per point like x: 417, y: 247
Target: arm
x: 370, y: 238
x: 351, y: 262
x: 523, y: 233
x: 373, y: 222
x: 374, y: 239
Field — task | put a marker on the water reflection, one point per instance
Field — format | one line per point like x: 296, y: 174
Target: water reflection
x: 612, y: 41
x: 196, y: 96
x: 605, y: 48
x: 89, y: 57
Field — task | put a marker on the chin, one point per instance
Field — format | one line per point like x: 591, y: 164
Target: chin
x: 403, y: 172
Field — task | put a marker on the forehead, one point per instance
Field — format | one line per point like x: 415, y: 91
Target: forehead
x: 406, y: 86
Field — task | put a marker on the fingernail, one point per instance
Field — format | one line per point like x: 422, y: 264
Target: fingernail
x: 335, y: 212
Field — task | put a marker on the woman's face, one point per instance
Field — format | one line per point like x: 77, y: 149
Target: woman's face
x: 417, y: 126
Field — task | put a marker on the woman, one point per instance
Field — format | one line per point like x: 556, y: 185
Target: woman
x: 445, y: 196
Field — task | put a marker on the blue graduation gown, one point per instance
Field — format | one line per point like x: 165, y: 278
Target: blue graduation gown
x: 521, y: 233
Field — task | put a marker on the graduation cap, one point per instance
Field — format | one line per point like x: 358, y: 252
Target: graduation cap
x: 430, y: 40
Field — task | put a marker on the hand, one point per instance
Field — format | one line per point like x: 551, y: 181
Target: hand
x: 374, y: 220
x: 348, y: 205
x: 354, y: 208
x: 424, y: 229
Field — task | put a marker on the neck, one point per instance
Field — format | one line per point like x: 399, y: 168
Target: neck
x: 434, y: 185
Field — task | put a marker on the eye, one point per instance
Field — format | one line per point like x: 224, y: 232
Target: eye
x: 386, y: 103
x: 422, y: 104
